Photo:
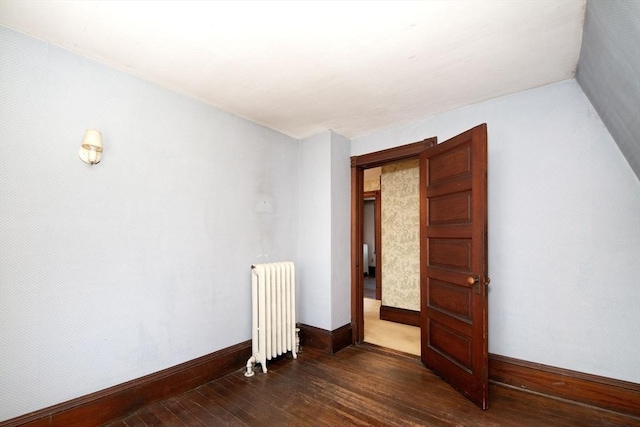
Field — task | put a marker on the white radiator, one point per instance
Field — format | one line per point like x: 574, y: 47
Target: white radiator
x: 273, y: 296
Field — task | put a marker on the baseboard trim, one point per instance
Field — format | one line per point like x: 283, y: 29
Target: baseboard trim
x: 593, y: 390
x: 327, y: 341
x: 341, y: 338
x: 400, y: 315
x: 118, y: 401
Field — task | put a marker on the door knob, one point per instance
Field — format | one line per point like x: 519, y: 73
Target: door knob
x: 472, y: 280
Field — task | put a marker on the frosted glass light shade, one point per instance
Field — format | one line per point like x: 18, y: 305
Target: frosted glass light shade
x: 91, y: 149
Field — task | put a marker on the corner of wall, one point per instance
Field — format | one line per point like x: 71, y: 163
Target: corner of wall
x: 340, y: 230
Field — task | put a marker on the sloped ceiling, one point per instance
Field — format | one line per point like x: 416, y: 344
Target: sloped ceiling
x: 609, y: 71
x: 304, y: 67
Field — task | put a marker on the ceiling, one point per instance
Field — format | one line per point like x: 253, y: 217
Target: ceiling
x: 304, y: 67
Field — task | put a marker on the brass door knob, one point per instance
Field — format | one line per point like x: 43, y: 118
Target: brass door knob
x: 472, y: 280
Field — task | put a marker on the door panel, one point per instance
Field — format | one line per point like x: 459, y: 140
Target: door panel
x: 450, y: 253
x: 453, y: 254
x: 453, y: 345
x: 450, y: 208
x: 450, y: 299
x: 450, y: 164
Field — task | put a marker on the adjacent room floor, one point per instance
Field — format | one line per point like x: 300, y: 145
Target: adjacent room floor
x: 386, y: 334
x: 392, y: 335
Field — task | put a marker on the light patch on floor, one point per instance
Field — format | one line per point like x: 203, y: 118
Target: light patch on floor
x: 389, y: 334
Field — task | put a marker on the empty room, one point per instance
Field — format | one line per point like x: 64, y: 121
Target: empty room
x: 183, y: 188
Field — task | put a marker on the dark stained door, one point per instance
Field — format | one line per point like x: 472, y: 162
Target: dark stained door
x: 453, y: 255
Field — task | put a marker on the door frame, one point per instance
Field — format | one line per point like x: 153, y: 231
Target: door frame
x: 358, y: 165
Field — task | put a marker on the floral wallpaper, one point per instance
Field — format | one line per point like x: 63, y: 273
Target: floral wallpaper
x: 400, y: 194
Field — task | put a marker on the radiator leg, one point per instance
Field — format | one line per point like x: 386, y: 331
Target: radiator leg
x: 295, y: 353
x: 250, y: 363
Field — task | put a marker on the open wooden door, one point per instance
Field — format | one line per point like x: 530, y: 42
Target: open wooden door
x: 453, y: 256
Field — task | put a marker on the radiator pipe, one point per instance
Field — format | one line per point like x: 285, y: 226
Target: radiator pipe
x: 250, y: 363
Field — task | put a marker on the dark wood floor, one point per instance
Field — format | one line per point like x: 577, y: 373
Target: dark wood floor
x: 360, y: 386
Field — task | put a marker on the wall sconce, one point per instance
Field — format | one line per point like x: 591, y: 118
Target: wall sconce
x: 91, y: 149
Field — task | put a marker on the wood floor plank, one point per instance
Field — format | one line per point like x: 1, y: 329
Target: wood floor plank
x: 165, y: 416
x: 291, y: 403
x: 262, y: 412
x: 359, y: 386
x: 324, y: 388
x: 182, y: 413
x: 323, y: 410
x: 298, y: 400
x: 216, y: 408
x: 235, y: 405
x: 134, y: 421
x: 150, y: 419
x: 189, y: 402
x: 217, y: 401
x: 378, y: 384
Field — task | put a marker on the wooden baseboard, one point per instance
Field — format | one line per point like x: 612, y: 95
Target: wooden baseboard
x: 341, y: 338
x: 602, y: 392
x: 118, y: 401
x: 324, y: 340
x: 400, y: 315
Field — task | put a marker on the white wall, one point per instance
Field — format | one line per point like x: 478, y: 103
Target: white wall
x: 564, y: 229
x: 340, y: 231
x: 141, y: 262
x: 313, y: 272
x: 324, y: 267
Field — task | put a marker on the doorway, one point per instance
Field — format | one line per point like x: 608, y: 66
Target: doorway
x: 358, y: 166
x: 391, y: 311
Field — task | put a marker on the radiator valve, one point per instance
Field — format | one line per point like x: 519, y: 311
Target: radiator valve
x: 250, y: 364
